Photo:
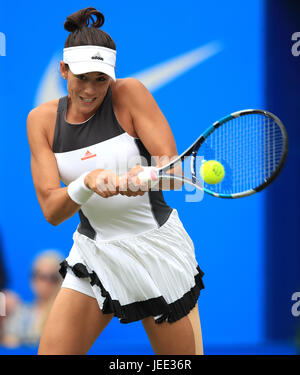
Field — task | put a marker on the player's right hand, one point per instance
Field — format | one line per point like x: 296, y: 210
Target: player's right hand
x: 103, y: 182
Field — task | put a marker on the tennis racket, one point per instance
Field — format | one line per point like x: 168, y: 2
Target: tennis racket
x: 251, y: 145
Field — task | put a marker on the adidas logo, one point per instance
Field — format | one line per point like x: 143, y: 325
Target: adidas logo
x: 88, y: 155
x: 97, y: 57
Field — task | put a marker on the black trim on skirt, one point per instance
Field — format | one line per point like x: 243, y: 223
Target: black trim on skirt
x: 139, y: 310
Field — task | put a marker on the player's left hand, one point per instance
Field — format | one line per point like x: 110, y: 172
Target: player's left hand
x: 130, y: 185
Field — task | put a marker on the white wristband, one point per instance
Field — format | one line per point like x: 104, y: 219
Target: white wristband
x: 149, y: 175
x: 78, y: 191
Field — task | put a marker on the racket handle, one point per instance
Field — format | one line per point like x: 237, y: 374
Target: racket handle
x: 149, y: 175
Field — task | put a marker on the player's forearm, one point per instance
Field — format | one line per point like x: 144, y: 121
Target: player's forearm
x: 58, y: 206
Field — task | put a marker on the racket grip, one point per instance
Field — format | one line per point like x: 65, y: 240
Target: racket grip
x: 149, y: 175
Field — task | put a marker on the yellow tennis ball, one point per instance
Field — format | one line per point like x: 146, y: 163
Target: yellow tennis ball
x: 212, y: 172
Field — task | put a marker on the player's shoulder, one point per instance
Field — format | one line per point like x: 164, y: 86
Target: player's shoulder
x: 128, y: 87
x: 43, y: 115
x: 128, y: 83
x: 44, y: 110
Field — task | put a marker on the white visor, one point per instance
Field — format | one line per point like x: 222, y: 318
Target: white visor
x: 85, y: 59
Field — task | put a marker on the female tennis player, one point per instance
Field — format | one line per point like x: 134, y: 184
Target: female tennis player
x: 131, y: 257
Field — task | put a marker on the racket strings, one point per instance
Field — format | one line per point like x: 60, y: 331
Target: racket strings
x: 249, y: 147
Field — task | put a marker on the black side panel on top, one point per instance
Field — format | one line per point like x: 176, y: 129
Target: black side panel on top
x: 160, y: 209
x: 85, y: 227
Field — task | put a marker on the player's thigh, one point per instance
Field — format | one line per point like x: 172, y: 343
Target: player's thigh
x: 182, y: 337
x: 74, y: 323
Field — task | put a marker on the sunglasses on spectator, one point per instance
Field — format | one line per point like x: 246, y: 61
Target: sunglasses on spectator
x: 50, y: 277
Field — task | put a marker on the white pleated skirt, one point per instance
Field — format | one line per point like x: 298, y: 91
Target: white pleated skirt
x: 154, y: 273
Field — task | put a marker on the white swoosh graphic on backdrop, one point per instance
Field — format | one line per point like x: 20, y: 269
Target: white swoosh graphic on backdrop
x: 153, y: 78
x: 159, y: 75
x: 50, y: 86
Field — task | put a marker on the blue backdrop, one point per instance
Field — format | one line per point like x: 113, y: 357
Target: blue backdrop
x: 282, y: 93
x: 218, y: 56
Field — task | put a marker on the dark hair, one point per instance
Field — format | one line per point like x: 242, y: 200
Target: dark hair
x: 83, y: 33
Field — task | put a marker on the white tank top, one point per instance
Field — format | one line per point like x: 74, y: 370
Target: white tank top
x: 101, y: 143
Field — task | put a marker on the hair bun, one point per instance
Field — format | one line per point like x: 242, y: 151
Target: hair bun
x: 84, y: 18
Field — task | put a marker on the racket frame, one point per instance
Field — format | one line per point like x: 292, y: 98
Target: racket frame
x: 194, y: 148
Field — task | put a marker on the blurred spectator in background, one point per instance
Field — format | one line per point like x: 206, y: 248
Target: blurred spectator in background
x: 24, y: 324
x: 3, y: 276
x: 11, y: 304
x: 8, y: 300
